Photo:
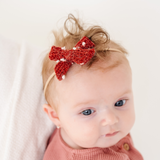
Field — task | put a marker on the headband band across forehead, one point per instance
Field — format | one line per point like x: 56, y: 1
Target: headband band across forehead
x: 80, y: 54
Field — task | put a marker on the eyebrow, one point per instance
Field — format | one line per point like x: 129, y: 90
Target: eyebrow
x: 83, y: 103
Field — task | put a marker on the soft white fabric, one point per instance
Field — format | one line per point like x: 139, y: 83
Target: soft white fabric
x: 24, y: 126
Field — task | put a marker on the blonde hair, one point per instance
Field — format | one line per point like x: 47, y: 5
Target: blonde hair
x: 74, y: 33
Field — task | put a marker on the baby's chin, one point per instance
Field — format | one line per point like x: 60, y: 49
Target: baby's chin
x: 101, y: 144
x: 107, y: 145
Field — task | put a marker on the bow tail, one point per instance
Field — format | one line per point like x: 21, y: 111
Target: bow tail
x: 61, y: 69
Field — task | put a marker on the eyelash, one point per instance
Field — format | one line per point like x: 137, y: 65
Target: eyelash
x: 115, y: 103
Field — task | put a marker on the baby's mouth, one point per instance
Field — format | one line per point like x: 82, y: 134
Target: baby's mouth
x: 110, y: 134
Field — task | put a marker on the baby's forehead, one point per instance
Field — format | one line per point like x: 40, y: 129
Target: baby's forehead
x: 78, y: 74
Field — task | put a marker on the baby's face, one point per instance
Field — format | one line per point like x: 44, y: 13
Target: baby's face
x: 93, y: 103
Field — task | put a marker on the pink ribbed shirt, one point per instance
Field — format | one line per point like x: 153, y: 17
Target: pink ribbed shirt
x: 59, y: 150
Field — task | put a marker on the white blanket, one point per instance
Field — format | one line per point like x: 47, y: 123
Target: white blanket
x: 24, y: 126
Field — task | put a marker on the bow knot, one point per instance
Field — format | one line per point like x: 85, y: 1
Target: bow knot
x: 80, y: 54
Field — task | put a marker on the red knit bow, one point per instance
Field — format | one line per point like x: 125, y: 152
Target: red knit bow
x: 80, y: 54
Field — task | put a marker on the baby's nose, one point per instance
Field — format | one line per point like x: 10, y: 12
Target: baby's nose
x: 109, y: 118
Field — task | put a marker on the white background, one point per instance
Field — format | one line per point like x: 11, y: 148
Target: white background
x: 133, y: 23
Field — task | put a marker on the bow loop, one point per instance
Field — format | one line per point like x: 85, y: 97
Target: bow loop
x: 85, y: 43
x: 57, y: 53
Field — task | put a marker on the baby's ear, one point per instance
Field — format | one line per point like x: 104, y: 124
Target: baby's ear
x: 51, y: 114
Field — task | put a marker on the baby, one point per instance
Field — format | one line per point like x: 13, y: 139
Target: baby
x: 87, y: 83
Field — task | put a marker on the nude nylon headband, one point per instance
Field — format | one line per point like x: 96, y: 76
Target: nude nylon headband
x: 53, y: 74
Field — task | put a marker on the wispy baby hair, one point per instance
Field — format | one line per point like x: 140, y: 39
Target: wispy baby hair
x: 74, y: 31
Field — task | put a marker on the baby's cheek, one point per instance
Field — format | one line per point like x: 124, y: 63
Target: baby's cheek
x: 85, y: 129
x: 132, y: 117
x: 86, y: 138
x: 90, y: 132
x: 128, y: 121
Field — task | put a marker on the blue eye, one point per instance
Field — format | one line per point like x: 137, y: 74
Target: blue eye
x: 87, y: 112
x: 90, y: 111
x: 120, y: 103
